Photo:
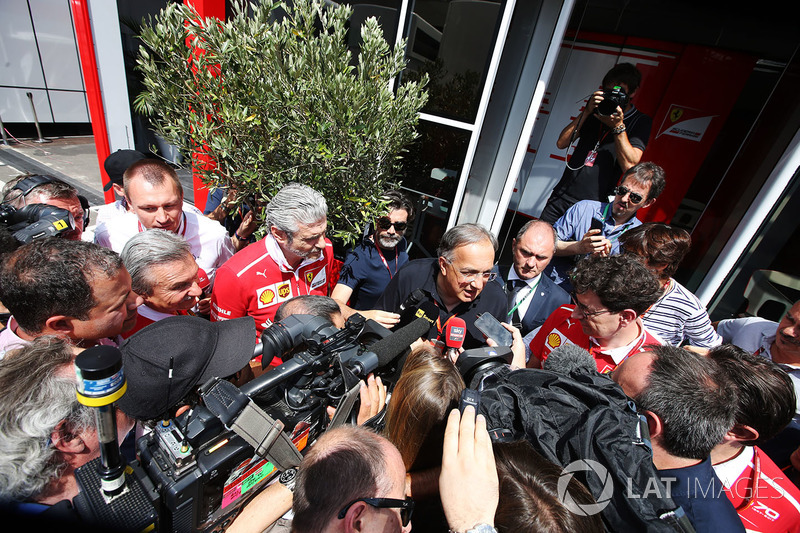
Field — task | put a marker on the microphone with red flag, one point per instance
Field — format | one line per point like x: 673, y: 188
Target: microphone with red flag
x: 454, y: 332
x: 202, y: 280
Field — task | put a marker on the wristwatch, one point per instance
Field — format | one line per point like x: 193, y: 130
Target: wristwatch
x: 619, y: 129
x: 478, y: 528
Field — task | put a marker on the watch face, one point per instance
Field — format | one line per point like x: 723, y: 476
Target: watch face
x: 482, y: 528
x: 288, y: 477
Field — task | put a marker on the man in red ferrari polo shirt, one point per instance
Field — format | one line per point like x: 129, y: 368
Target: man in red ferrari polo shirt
x: 610, y: 295
x: 292, y: 260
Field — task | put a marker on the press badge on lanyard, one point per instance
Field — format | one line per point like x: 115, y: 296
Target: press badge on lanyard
x: 591, y: 156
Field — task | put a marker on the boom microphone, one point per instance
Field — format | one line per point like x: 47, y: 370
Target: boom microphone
x: 389, y: 348
x: 569, y: 358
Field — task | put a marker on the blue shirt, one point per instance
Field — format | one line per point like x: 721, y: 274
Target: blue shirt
x: 365, y: 272
x: 578, y: 220
x: 574, y: 224
x: 701, y: 494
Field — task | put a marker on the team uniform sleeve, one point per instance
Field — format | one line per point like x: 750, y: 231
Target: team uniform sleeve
x: 227, y: 301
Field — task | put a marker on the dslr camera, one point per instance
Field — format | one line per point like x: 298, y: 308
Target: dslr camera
x: 611, y: 99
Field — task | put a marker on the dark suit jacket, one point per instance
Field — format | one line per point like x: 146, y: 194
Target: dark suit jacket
x: 546, y: 298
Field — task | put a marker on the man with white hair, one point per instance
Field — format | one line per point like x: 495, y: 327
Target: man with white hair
x: 45, y: 434
x: 164, y: 273
x: 294, y: 259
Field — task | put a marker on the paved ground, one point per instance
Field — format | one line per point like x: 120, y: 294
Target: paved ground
x: 72, y: 159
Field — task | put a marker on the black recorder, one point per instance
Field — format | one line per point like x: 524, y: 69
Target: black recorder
x: 197, y: 470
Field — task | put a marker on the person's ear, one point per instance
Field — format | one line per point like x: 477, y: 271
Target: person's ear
x: 741, y: 433
x: 654, y: 423
x: 627, y: 317
x: 648, y: 203
x: 59, y: 325
x: 65, y: 441
x: 281, y: 236
x: 356, y: 518
x: 443, y: 265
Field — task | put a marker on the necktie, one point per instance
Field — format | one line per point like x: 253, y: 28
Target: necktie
x: 513, y: 286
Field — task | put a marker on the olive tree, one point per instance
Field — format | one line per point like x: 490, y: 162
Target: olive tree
x: 274, y: 95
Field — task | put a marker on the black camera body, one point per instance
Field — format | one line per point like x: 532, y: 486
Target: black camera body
x: 35, y: 221
x: 611, y: 99
x: 194, y: 473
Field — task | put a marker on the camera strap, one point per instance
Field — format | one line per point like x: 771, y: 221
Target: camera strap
x: 241, y: 414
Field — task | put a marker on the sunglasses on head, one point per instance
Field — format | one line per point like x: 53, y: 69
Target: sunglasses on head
x: 406, y: 507
x: 384, y: 223
x: 635, y: 197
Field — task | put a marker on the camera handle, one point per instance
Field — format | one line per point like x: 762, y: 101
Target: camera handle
x: 246, y: 419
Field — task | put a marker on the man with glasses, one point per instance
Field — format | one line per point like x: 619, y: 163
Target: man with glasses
x: 610, y: 296
x: 370, y: 266
x: 457, y: 282
x: 592, y: 227
x: 354, y: 480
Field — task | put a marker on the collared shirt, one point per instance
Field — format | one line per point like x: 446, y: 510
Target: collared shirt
x: 146, y: 317
x: 365, y: 271
x: 256, y: 280
x: 525, y: 294
x: 578, y: 220
x: 774, y: 500
x: 208, y: 240
x: 560, y: 328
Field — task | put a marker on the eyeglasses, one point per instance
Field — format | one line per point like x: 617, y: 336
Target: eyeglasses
x: 406, y: 507
x: 635, y: 197
x: 384, y: 223
x: 469, y: 277
x: 585, y: 311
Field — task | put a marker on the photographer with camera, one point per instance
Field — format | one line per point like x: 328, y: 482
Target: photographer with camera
x: 612, y: 136
x: 25, y: 190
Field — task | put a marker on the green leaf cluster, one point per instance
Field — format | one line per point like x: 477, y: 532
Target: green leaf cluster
x: 273, y: 95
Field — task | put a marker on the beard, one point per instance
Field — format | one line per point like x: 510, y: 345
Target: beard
x: 389, y: 241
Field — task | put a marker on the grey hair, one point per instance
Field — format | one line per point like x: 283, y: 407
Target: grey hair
x: 536, y: 222
x: 462, y: 235
x: 293, y: 205
x: 37, y: 393
x: 149, y: 248
x: 55, y: 188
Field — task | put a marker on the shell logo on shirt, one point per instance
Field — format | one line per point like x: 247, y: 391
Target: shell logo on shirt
x: 273, y: 294
x: 266, y: 297
x: 554, y: 340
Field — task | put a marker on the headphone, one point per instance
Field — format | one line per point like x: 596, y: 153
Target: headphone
x: 26, y: 185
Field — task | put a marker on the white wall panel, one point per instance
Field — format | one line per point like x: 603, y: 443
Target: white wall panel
x: 52, y: 21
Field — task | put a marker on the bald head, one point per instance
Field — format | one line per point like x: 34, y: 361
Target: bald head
x: 633, y: 373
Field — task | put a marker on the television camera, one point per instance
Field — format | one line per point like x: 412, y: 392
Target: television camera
x: 196, y: 470
x: 35, y: 221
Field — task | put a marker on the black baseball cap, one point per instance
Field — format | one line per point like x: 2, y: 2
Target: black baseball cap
x: 117, y: 163
x: 198, y: 350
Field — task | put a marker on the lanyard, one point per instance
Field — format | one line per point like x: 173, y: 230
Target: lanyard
x: 530, y: 291
x: 384, y: 259
x: 613, y: 238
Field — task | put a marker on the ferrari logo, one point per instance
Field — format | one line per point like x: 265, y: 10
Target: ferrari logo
x: 554, y: 340
x: 309, y: 277
x: 284, y: 290
x: 266, y: 297
x: 675, y: 114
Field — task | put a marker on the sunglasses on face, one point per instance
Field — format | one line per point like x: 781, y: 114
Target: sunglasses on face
x: 635, y: 197
x: 384, y: 223
x: 406, y: 507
